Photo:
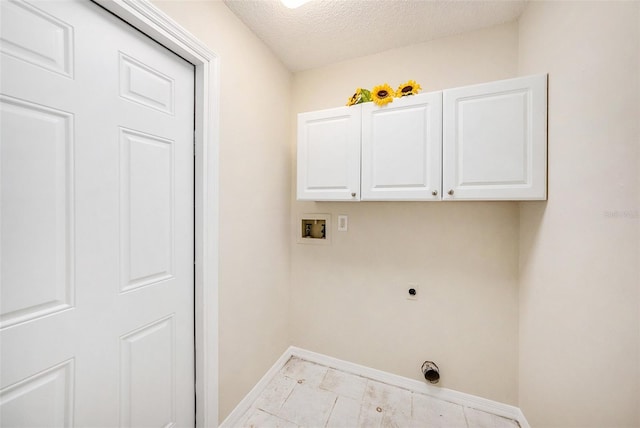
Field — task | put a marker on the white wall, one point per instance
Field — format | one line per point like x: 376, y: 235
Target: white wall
x: 579, y: 293
x: 254, y: 196
x: 565, y: 345
x: 348, y: 299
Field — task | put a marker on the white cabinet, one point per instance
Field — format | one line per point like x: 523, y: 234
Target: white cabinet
x: 495, y: 140
x: 329, y: 154
x: 401, y: 149
x: 481, y: 142
x: 397, y: 146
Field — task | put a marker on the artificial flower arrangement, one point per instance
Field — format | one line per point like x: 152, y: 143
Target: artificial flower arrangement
x: 383, y: 94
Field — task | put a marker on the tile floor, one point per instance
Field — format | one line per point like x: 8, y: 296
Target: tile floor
x: 305, y: 394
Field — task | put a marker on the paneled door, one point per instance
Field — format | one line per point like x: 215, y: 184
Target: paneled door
x: 329, y: 154
x: 96, y: 170
x: 495, y: 140
x: 402, y: 149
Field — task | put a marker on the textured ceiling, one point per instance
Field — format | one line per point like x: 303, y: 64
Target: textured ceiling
x: 327, y: 31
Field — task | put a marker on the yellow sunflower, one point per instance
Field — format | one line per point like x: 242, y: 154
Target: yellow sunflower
x: 382, y: 94
x: 355, y: 98
x: 408, y: 88
x: 360, y: 96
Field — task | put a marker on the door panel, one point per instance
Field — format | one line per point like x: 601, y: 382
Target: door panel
x: 42, y: 400
x: 329, y: 154
x: 142, y: 84
x: 147, y: 356
x: 495, y: 143
x: 96, y: 222
x: 401, y: 149
x: 37, y: 201
x: 37, y: 37
x: 146, y: 200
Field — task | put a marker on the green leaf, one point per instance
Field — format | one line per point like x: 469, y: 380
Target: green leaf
x: 366, y: 95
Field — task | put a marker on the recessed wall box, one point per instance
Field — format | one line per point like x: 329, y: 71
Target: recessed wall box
x: 314, y: 229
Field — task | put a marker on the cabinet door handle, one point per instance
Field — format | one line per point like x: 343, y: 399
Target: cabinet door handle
x: 353, y: 195
x: 434, y: 193
x: 450, y: 192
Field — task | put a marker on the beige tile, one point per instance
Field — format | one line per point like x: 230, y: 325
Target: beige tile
x: 389, y: 398
x: 370, y: 416
x: 436, y: 413
x: 304, y: 372
x: 308, y: 406
x: 312, y: 395
x: 275, y: 394
x: 345, y: 413
x: 385, y: 406
x: 393, y: 418
x: 344, y: 384
x: 480, y: 419
x: 259, y: 419
x: 376, y: 416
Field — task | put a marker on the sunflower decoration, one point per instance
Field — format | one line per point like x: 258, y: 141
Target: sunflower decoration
x: 382, y: 94
x: 408, y: 88
x: 360, y: 96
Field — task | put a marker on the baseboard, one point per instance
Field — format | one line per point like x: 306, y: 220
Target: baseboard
x: 412, y: 385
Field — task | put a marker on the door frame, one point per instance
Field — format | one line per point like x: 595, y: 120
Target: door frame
x: 147, y: 18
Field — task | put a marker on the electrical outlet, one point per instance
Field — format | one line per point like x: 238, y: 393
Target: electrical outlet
x: 412, y: 291
x: 343, y: 223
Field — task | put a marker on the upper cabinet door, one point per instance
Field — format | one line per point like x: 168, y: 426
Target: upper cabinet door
x: 329, y: 154
x: 495, y: 140
x: 401, y: 149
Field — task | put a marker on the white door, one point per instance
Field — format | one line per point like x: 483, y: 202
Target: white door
x: 96, y: 324
x: 495, y: 140
x: 401, y: 149
x: 329, y: 155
